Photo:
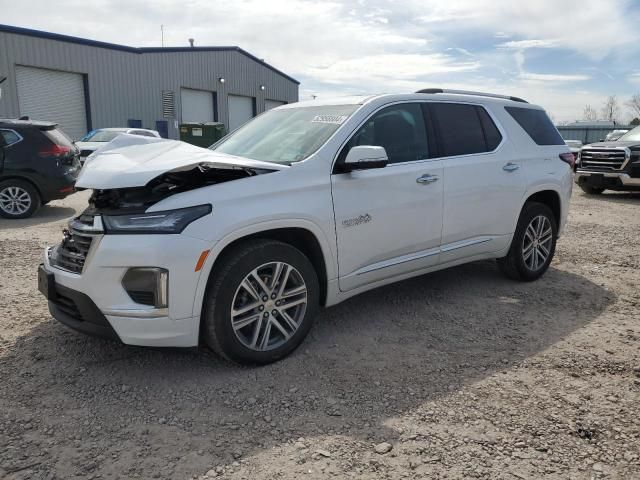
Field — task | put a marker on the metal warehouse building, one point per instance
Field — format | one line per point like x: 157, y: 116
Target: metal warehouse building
x: 85, y: 84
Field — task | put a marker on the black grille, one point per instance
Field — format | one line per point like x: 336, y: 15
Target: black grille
x: 145, y: 298
x: 68, y: 306
x: 85, y: 153
x: 602, y: 159
x: 72, y: 252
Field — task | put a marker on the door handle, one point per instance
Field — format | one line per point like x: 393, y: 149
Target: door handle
x: 427, y: 179
x: 511, y: 167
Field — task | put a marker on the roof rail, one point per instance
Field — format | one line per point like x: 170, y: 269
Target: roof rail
x: 467, y: 92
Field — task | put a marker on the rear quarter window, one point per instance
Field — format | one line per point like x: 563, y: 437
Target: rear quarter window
x: 537, y: 125
x: 10, y: 137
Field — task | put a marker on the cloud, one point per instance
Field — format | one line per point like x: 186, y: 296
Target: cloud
x: 591, y: 27
x: 524, y: 44
x: 385, y: 68
x: 552, y: 77
x: 347, y: 46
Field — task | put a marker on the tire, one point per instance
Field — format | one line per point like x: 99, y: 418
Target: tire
x: 591, y: 190
x: 228, y: 288
x: 18, y: 199
x: 521, y: 265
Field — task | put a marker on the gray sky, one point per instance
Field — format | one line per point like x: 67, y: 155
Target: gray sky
x: 561, y: 54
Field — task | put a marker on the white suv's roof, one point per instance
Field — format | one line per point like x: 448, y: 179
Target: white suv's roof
x: 452, y: 95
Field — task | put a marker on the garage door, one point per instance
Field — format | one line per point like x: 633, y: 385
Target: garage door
x: 240, y: 110
x: 53, y: 96
x: 269, y: 104
x: 197, y: 105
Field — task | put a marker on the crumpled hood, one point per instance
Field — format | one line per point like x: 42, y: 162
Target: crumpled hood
x: 132, y: 161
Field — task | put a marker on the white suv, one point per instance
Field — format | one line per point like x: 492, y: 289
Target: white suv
x: 238, y: 246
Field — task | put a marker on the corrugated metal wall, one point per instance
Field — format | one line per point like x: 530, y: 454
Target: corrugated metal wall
x: 589, y: 134
x: 124, y: 85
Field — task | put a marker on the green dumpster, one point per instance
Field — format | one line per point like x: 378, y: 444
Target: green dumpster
x: 201, y: 134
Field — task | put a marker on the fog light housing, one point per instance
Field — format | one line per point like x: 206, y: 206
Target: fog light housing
x: 147, y: 286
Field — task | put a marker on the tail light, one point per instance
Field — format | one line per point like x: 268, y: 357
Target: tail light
x: 54, y: 150
x: 568, y: 158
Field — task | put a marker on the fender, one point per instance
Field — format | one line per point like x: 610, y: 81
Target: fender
x: 561, y: 188
x: 328, y: 251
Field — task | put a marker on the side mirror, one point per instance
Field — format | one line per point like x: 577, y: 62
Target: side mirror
x: 364, y: 157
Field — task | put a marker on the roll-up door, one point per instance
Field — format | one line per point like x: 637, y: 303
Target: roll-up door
x: 269, y: 104
x: 240, y: 110
x: 53, y: 96
x: 197, y: 105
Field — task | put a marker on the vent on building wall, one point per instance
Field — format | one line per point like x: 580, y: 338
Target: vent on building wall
x: 168, y: 104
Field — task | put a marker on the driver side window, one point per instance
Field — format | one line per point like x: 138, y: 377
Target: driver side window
x: 400, y: 129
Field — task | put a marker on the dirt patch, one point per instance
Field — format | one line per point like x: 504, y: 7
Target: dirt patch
x: 457, y: 374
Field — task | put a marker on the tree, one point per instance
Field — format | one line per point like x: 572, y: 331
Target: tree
x: 611, y: 109
x: 635, y: 121
x: 634, y: 104
x: 589, y: 113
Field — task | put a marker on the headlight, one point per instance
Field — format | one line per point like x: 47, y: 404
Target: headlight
x: 169, y: 221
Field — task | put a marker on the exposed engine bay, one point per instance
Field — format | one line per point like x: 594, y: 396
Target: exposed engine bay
x: 138, y: 199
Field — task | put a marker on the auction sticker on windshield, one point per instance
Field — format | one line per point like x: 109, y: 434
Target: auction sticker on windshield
x: 334, y: 119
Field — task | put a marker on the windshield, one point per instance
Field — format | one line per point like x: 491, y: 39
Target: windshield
x: 100, y: 136
x: 285, y: 136
x: 631, y: 135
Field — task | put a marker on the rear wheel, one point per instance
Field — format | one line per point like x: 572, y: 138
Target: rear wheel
x: 260, y: 302
x: 533, y: 244
x: 589, y: 190
x: 18, y: 199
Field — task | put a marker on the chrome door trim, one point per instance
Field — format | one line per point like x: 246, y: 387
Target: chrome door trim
x: 422, y: 254
x: 397, y: 261
x: 465, y: 243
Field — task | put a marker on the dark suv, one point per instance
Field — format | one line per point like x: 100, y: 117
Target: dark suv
x: 612, y: 165
x: 38, y: 163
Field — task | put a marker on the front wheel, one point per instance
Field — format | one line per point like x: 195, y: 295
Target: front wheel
x: 260, y: 302
x: 533, y: 244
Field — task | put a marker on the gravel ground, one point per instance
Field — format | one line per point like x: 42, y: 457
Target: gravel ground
x: 457, y: 374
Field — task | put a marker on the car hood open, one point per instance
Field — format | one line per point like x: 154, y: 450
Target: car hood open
x: 132, y: 161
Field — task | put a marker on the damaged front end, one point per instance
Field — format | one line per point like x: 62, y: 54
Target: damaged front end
x: 133, y: 173
x: 138, y: 199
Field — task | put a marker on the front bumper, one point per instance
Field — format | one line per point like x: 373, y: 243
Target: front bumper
x: 97, y: 293
x: 608, y: 179
x: 77, y: 311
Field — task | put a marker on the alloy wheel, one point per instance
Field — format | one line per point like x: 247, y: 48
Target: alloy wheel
x: 269, y: 306
x: 537, y: 242
x: 15, y: 200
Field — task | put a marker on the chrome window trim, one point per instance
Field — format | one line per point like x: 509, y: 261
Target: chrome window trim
x: 20, y: 137
x: 496, y: 122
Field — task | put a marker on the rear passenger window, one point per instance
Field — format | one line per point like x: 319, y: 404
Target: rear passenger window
x: 464, y: 129
x: 537, y: 125
x: 10, y: 137
x: 399, y: 129
x: 491, y: 132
